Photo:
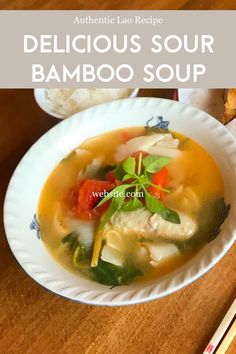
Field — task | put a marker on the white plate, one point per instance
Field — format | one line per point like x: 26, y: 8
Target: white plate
x: 30, y: 175
x: 42, y: 101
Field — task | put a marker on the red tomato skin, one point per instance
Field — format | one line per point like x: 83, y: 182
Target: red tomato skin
x: 94, y: 213
x: 161, y: 179
x: 87, y: 201
x: 110, y: 176
x: 71, y: 198
x: 156, y: 192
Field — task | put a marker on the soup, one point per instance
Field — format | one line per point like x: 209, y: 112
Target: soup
x: 132, y: 204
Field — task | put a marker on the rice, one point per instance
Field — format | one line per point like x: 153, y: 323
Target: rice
x: 69, y: 101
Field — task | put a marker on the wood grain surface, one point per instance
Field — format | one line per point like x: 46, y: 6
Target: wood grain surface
x: 118, y: 5
x: 33, y: 320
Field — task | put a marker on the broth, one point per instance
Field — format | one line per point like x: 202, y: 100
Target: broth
x: 194, y: 171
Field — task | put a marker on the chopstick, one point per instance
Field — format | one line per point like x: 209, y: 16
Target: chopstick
x: 227, y: 339
x: 227, y: 325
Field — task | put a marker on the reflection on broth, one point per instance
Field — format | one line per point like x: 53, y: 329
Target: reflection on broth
x: 131, y: 204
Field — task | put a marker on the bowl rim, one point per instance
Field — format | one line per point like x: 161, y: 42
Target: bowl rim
x: 172, y: 289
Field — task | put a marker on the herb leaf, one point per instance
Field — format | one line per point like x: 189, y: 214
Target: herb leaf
x: 114, y: 193
x: 119, y: 172
x: 72, y: 240
x: 129, y: 165
x: 132, y: 204
x: 116, y: 204
x: 154, y: 163
x: 110, y: 274
x: 126, y: 171
x: 79, y: 257
x: 128, y: 176
x: 215, y: 212
x: 155, y: 206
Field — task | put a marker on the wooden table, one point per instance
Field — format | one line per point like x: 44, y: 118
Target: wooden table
x: 33, y: 320
x: 118, y: 5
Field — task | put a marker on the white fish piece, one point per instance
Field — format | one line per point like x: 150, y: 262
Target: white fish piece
x: 160, y: 251
x: 90, y: 170
x: 112, y: 255
x: 168, y: 230
x: 131, y: 221
x: 143, y: 222
x: 147, y: 143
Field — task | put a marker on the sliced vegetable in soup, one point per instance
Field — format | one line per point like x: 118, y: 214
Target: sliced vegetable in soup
x: 131, y: 204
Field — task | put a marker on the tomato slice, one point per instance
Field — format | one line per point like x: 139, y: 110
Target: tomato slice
x: 160, y: 178
x: 90, y: 192
x: 71, y: 198
x: 92, y: 214
x: 110, y: 176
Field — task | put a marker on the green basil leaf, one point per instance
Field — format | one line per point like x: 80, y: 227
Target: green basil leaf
x: 154, y: 163
x: 155, y: 206
x: 79, y: 257
x: 110, y: 274
x: 115, y: 205
x: 129, y: 165
x: 71, y: 240
x: 143, y: 179
x: 212, y: 215
x: 132, y: 204
x: 128, y: 176
x: 114, y: 193
x: 119, y: 172
x: 105, y: 273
